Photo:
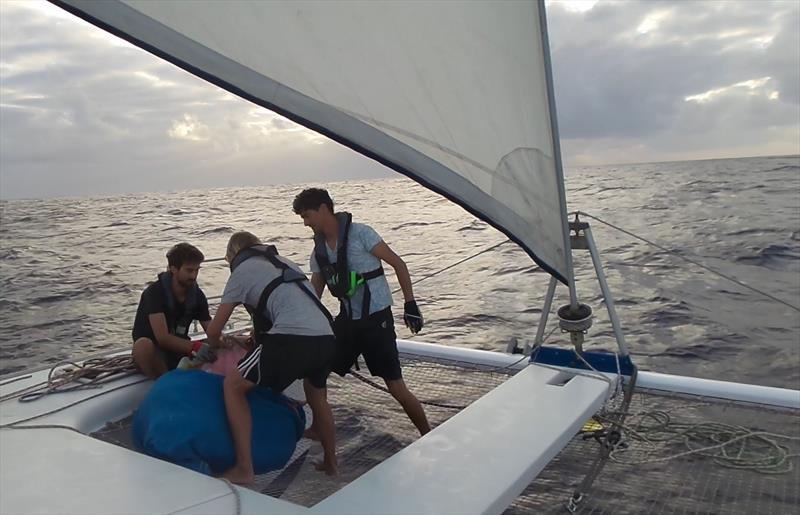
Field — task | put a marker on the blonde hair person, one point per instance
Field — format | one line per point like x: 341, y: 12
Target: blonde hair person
x: 239, y: 241
x: 293, y: 340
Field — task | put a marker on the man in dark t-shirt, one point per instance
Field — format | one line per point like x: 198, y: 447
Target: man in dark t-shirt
x: 166, y: 311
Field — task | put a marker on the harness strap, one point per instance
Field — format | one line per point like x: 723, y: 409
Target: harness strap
x: 288, y: 275
x: 180, y: 320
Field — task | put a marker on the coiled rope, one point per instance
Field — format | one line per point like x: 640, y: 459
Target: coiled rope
x: 728, y: 445
x: 68, y: 376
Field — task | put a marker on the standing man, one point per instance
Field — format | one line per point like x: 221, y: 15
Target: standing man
x: 166, y: 310
x: 293, y: 340
x: 347, y: 258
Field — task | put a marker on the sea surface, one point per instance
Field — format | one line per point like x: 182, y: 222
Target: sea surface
x: 72, y: 269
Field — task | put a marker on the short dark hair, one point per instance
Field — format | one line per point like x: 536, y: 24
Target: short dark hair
x: 183, y: 253
x: 311, y: 198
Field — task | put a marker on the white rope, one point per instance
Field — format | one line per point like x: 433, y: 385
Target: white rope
x: 236, y: 497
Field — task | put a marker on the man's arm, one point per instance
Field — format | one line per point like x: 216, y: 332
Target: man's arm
x: 158, y: 322
x: 383, y: 252
x: 214, y: 329
x: 318, y: 282
x: 411, y: 315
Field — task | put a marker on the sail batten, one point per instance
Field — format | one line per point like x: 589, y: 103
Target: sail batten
x: 451, y: 94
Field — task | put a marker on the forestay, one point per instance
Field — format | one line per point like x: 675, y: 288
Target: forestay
x: 451, y: 94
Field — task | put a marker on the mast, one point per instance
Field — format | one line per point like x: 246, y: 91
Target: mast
x: 573, y: 297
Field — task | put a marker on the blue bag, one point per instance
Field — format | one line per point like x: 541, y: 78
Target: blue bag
x: 182, y: 420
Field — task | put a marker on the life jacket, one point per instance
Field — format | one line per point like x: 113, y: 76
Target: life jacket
x: 179, y: 323
x: 342, y: 282
x: 261, y: 322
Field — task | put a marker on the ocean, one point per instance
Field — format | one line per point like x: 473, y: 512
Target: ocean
x: 72, y: 269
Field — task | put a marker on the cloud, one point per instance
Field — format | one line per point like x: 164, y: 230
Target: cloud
x: 84, y: 112
x: 630, y: 79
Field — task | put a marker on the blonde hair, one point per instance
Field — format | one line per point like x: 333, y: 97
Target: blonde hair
x: 239, y: 241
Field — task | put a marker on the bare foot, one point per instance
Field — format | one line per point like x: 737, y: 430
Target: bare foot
x: 327, y: 466
x: 311, y: 434
x: 240, y: 476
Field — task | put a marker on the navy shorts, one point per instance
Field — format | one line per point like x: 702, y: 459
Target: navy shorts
x: 280, y: 359
x: 375, y: 339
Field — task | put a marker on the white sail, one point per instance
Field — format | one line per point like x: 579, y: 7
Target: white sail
x: 451, y: 94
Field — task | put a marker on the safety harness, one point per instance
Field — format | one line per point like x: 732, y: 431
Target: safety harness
x: 342, y: 282
x: 261, y: 323
x: 179, y: 322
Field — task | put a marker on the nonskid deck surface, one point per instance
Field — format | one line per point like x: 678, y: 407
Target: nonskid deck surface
x: 644, y: 479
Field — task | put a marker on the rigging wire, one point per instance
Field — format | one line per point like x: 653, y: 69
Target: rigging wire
x: 692, y: 261
x: 448, y: 267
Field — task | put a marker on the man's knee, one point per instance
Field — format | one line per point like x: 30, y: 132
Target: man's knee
x: 143, y: 349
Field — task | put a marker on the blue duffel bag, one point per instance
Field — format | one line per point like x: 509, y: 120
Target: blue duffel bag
x: 182, y: 420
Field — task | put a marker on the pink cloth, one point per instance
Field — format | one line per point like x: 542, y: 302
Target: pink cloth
x: 226, y: 362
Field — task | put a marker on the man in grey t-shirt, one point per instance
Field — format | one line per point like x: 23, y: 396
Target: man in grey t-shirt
x: 294, y: 340
x: 348, y: 258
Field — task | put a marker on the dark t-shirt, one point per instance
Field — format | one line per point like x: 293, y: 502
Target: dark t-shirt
x: 154, y: 300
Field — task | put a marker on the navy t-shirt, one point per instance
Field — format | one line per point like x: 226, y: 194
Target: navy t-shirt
x: 154, y: 300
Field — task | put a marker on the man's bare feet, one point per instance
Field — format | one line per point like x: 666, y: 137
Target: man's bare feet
x: 327, y: 466
x: 240, y: 476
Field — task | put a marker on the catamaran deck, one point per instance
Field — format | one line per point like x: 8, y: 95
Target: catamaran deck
x: 645, y: 478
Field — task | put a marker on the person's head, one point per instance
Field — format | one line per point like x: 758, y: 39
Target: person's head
x: 239, y: 241
x: 184, y: 262
x: 313, y: 205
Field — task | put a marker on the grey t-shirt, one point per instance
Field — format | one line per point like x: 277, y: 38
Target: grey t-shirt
x: 290, y: 310
x: 361, y: 241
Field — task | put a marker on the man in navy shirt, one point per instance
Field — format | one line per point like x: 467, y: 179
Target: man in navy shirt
x: 166, y: 310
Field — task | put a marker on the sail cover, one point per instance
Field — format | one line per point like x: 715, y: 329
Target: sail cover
x: 451, y: 94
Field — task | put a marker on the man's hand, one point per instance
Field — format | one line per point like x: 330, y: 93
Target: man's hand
x: 412, y: 317
x: 203, y: 353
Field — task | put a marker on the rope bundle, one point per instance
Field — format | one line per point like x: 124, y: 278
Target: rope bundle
x: 727, y: 445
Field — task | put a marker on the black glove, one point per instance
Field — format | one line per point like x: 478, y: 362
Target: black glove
x: 412, y: 317
x: 203, y: 353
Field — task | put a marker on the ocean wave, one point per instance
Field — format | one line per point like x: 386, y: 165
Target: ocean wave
x: 218, y: 230
x: 90, y: 275
x: 475, y: 225
x: 756, y: 230
x: 406, y: 225
x: 771, y: 256
x: 10, y: 253
x: 783, y: 167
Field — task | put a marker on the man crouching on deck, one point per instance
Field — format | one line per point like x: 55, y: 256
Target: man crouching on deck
x: 166, y: 310
x: 294, y: 340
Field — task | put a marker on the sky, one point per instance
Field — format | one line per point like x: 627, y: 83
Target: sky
x: 84, y: 113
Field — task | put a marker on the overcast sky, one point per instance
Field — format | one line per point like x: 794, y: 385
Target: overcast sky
x: 84, y: 113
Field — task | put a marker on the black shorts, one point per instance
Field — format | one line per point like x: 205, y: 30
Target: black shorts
x: 375, y: 339
x: 279, y: 359
x: 171, y: 359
